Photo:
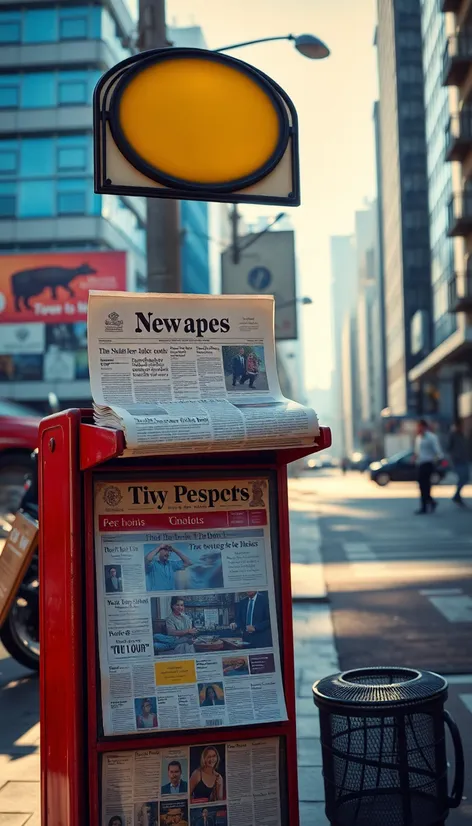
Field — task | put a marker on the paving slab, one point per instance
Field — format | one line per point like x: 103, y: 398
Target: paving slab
x: 20, y: 796
x: 309, y: 752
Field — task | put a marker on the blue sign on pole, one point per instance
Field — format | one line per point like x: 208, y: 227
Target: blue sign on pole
x: 259, y: 278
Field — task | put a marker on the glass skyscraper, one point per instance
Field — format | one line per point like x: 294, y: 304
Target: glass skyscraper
x: 50, y: 59
x: 437, y: 111
x: 405, y: 219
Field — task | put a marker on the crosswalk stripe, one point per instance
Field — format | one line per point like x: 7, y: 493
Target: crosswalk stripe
x: 438, y: 592
x: 459, y: 679
x: 467, y: 700
x: 456, y: 608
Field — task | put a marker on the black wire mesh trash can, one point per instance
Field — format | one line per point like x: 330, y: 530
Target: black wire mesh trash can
x: 383, y: 740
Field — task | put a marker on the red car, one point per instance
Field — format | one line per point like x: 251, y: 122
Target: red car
x: 18, y: 438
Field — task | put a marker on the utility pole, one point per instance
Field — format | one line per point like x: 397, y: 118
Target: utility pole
x: 234, y: 218
x: 163, y: 236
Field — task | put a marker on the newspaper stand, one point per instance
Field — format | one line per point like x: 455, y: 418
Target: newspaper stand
x: 74, y: 453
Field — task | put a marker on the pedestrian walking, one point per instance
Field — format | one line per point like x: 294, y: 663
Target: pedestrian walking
x: 427, y: 453
x: 458, y: 451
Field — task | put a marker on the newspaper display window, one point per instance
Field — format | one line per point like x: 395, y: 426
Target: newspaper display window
x: 187, y: 602
x: 233, y: 783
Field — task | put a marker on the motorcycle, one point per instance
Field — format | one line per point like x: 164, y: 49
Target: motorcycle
x: 20, y: 631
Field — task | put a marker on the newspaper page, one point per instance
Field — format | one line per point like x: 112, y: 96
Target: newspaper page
x: 187, y: 619
x: 183, y: 373
x: 220, y: 784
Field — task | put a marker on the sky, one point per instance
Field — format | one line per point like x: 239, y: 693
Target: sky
x: 334, y: 99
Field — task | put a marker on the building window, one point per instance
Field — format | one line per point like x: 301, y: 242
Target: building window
x: 36, y: 199
x: 10, y: 27
x: 7, y: 200
x: 9, y: 96
x: 73, y: 28
x: 72, y: 92
x: 40, y: 26
x: 38, y: 90
x: 72, y: 197
x: 8, y: 161
x: 37, y: 157
x: 74, y: 158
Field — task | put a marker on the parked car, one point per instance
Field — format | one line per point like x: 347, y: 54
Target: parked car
x: 402, y: 468
x: 18, y: 438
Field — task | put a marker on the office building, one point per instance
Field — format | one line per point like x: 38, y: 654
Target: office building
x: 379, y: 260
x: 370, y: 378
x: 51, y: 56
x: 194, y: 215
x: 447, y: 53
x: 405, y: 218
x: 343, y: 296
x: 350, y: 408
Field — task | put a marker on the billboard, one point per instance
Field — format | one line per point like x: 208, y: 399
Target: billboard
x: 43, y: 312
x: 53, y: 287
x: 266, y: 267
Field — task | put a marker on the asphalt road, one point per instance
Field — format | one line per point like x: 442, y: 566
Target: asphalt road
x: 400, y: 585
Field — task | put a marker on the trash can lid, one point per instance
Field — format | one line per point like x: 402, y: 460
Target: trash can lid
x: 382, y: 685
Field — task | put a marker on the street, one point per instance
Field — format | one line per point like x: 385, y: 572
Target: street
x: 399, y: 586
x: 399, y: 591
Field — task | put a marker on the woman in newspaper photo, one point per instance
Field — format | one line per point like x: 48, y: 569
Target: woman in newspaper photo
x: 252, y: 369
x: 206, y: 783
x: 148, y: 717
x: 179, y: 625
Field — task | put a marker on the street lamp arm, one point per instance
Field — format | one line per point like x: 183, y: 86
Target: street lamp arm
x: 253, y: 42
x: 257, y: 235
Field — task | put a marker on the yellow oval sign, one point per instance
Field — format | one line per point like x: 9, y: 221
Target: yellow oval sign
x: 198, y: 121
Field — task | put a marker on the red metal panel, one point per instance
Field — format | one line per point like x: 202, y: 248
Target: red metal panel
x: 99, y: 445
x: 61, y: 676
x: 69, y: 693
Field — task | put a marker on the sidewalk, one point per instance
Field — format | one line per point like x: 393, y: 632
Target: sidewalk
x: 19, y: 745
x: 315, y: 652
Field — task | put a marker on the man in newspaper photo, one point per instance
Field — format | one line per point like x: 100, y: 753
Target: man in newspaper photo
x: 161, y: 570
x: 175, y: 785
x: 113, y: 581
x: 179, y: 625
x: 253, y: 619
x: 203, y: 819
x: 238, y: 366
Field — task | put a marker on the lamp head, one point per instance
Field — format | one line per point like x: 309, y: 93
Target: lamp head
x: 307, y: 300
x: 311, y: 46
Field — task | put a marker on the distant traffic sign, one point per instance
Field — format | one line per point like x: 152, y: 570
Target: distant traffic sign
x: 193, y: 124
x: 259, y: 278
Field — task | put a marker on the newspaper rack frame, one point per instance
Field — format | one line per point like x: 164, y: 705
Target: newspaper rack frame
x: 72, y: 450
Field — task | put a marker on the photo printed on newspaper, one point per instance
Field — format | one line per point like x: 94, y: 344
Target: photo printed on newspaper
x: 187, y: 617
x: 217, y: 784
x: 183, y: 373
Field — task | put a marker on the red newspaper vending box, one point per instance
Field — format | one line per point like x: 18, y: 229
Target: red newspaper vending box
x: 167, y: 672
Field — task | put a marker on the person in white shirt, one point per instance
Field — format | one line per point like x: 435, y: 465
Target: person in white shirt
x: 427, y: 453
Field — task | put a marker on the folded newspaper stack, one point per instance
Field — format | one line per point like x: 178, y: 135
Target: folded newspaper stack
x: 190, y: 373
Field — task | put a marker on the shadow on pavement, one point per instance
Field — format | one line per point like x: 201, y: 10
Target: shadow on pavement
x: 19, y: 709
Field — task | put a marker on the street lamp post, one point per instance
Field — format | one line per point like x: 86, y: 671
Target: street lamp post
x: 309, y: 46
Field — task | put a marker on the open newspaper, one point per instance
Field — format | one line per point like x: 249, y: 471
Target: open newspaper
x: 190, y: 373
